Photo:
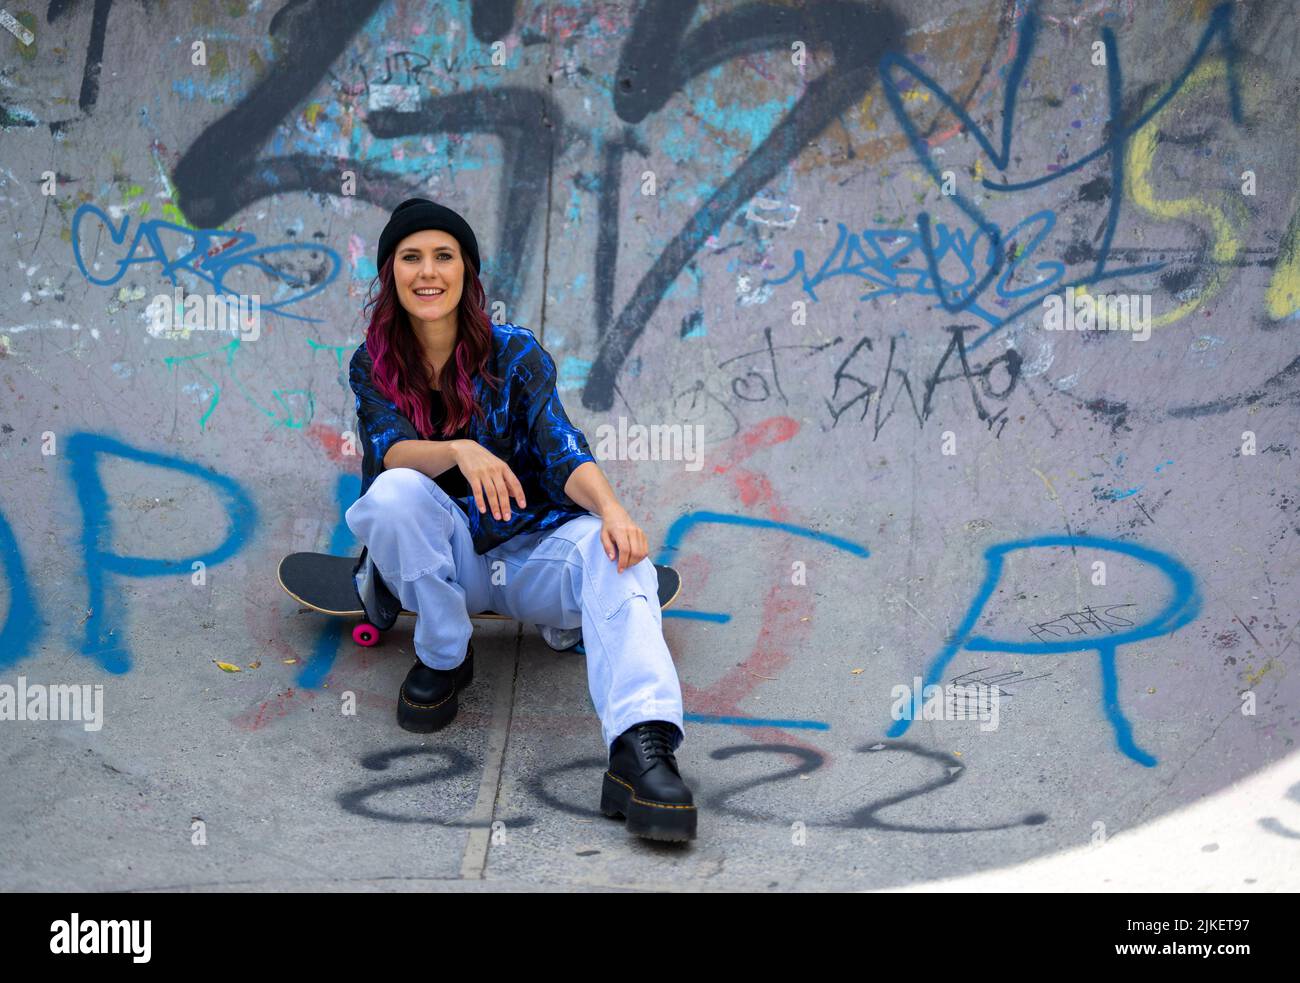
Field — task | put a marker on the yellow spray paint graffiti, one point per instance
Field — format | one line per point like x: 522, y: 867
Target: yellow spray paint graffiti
x: 1139, y: 163
x: 1282, y: 299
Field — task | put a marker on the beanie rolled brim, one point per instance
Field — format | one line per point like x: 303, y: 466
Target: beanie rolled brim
x: 418, y: 214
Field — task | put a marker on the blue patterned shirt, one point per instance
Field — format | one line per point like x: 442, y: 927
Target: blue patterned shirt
x: 526, y: 427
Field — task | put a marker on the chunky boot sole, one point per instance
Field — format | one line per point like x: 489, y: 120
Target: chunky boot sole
x: 425, y: 719
x: 653, y: 820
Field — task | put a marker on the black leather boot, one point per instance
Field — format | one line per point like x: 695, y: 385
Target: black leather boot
x: 644, y: 785
x: 427, y: 700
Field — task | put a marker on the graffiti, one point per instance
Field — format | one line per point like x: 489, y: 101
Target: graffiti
x: 660, y: 57
x: 887, y: 259
x: 538, y: 786
x: 1139, y: 162
x: 745, y: 387
x: 782, y: 181
x: 710, y: 718
x: 105, y: 615
x: 1283, y: 296
x: 94, y: 46
x: 992, y: 678
x: 23, y: 626
x: 687, y: 523
x: 1278, y: 389
x: 105, y: 638
x: 333, y: 630
x: 1183, y: 606
x: 865, y: 817
x: 214, y: 181
x: 658, y: 60
x: 1120, y: 132
x: 85, y: 452
x: 286, y: 414
x: 805, y: 762
x: 979, y: 380
x: 435, y: 810
x: 213, y: 255
x: 412, y: 62
x: 1083, y: 621
x: 892, y: 383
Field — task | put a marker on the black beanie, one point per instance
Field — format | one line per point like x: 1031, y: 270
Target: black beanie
x: 417, y: 214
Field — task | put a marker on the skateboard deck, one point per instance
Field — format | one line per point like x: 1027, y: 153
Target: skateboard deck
x: 323, y: 582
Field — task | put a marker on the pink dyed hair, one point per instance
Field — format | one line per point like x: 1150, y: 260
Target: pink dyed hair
x: 398, y: 371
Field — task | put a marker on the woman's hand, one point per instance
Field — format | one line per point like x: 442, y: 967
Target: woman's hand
x: 489, y: 477
x: 618, y: 531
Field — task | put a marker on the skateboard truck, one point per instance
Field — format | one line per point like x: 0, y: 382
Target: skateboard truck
x: 560, y: 639
x: 381, y: 607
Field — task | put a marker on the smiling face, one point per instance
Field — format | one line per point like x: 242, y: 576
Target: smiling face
x: 429, y: 274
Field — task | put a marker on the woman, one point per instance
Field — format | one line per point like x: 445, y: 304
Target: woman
x: 458, y: 417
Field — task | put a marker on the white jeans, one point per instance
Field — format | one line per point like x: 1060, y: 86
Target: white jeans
x: 420, y: 542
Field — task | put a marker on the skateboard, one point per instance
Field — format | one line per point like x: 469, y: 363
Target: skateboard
x: 323, y: 582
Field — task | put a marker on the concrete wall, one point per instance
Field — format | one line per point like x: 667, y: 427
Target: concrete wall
x: 823, y: 233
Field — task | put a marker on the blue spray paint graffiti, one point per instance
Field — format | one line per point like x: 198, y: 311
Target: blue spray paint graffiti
x: 107, y: 615
x: 937, y: 240
x: 672, y: 543
x: 1183, y: 606
x: 679, y: 529
x: 162, y: 237
x: 347, y: 487
x: 22, y: 627
x: 884, y: 258
x: 709, y: 718
x: 103, y: 629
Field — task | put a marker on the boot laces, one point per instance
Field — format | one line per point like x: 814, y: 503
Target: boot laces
x: 657, y: 740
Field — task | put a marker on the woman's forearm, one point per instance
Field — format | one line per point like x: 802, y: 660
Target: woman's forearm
x: 431, y: 457
x: 588, y: 487
x: 587, y: 484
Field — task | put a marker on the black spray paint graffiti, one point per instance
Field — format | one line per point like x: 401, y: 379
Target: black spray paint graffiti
x: 1089, y: 620
x: 994, y: 679
x: 863, y: 817
x: 539, y: 786
x: 213, y: 181
x: 444, y: 810
x: 412, y: 62
x: 807, y: 761
x: 979, y: 380
x: 658, y: 60
x: 1279, y: 389
x: 221, y: 173
x: 94, y: 46
x: 749, y: 385
x: 995, y: 379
